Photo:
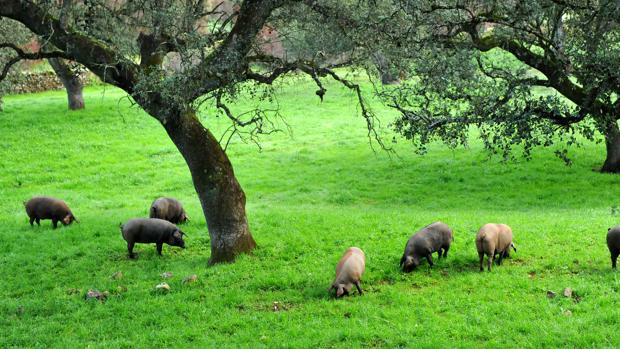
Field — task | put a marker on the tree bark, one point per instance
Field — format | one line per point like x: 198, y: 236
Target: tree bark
x: 612, y: 143
x: 70, y: 81
x: 221, y: 196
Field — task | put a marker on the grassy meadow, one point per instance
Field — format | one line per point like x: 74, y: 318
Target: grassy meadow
x: 311, y: 193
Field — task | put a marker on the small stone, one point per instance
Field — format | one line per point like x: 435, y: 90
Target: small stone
x: 567, y: 312
x: 276, y: 306
x: 164, y: 287
x: 73, y: 291
x: 166, y: 275
x: 96, y: 294
x: 551, y: 294
x: 117, y: 276
x: 568, y: 292
x: 190, y: 279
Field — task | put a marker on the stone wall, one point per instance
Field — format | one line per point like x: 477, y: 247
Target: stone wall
x: 39, y: 82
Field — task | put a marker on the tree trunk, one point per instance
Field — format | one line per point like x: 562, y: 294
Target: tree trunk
x: 612, y: 142
x: 221, y: 196
x: 71, y: 81
x: 388, y: 75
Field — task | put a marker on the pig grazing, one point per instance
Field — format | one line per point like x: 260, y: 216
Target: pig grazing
x: 432, y: 238
x: 493, y: 239
x: 151, y: 230
x: 349, y: 272
x: 43, y: 207
x: 613, y: 243
x: 169, y: 209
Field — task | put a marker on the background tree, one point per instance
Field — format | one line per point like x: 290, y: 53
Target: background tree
x: 220, y: 57
x: 19, y: 35
x: 533, y: 73
x: 68, y: 73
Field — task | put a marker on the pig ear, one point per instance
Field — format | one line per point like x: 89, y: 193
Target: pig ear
x: 177, y: 234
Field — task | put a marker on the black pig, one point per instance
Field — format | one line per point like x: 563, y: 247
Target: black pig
x: 432, y: 238
x: 43, y: 207
x: 151, y: 230
x: 613, y: 243
x: 169, y: 209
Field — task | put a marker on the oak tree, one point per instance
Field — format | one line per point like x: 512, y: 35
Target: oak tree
x: 126, y: 44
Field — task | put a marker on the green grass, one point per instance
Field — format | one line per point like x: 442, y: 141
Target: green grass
x: 310, y: 195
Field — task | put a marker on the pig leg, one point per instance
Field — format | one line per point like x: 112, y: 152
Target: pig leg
x: 501, y: 257
x: 445, y: 252
x: 359, y: 288
x: 439, y: 254
x: 490, y: 261
x: 55, y: 223
x: 32, y: 221
x: 130, y: 250
x: 159, y: 246
x: 614, y: 258
x: 481, y: 256
x: 429, y: 258
x: 38, y: 221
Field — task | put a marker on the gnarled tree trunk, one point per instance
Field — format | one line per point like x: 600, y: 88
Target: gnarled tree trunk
x: 612, y: 143
x: 221, y: 196
x: 70, y: 81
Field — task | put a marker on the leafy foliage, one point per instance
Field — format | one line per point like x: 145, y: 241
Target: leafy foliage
x: 527, y: 73
x: 17, y: 33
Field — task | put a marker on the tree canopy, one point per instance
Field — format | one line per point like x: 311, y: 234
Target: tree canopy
x: 529, y: 73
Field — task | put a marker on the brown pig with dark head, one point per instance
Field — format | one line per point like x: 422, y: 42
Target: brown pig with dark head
x: 432, y: 238
x: 349, y: 272
x: 613, y: 244
x: 169, y: 209
x: 494, y: 239
x: 151, y: 230
x: 44, y: 207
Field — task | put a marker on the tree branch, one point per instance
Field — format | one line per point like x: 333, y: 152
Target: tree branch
x: 22, y: 55
x: 551, y: 69
x: 228, y: 61
x: 94, y: 54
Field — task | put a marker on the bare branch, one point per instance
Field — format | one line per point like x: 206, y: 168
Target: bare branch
x: 261, y: 122
x: 22, y: 55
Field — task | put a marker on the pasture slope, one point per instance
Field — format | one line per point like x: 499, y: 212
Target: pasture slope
x: 311, y: 194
